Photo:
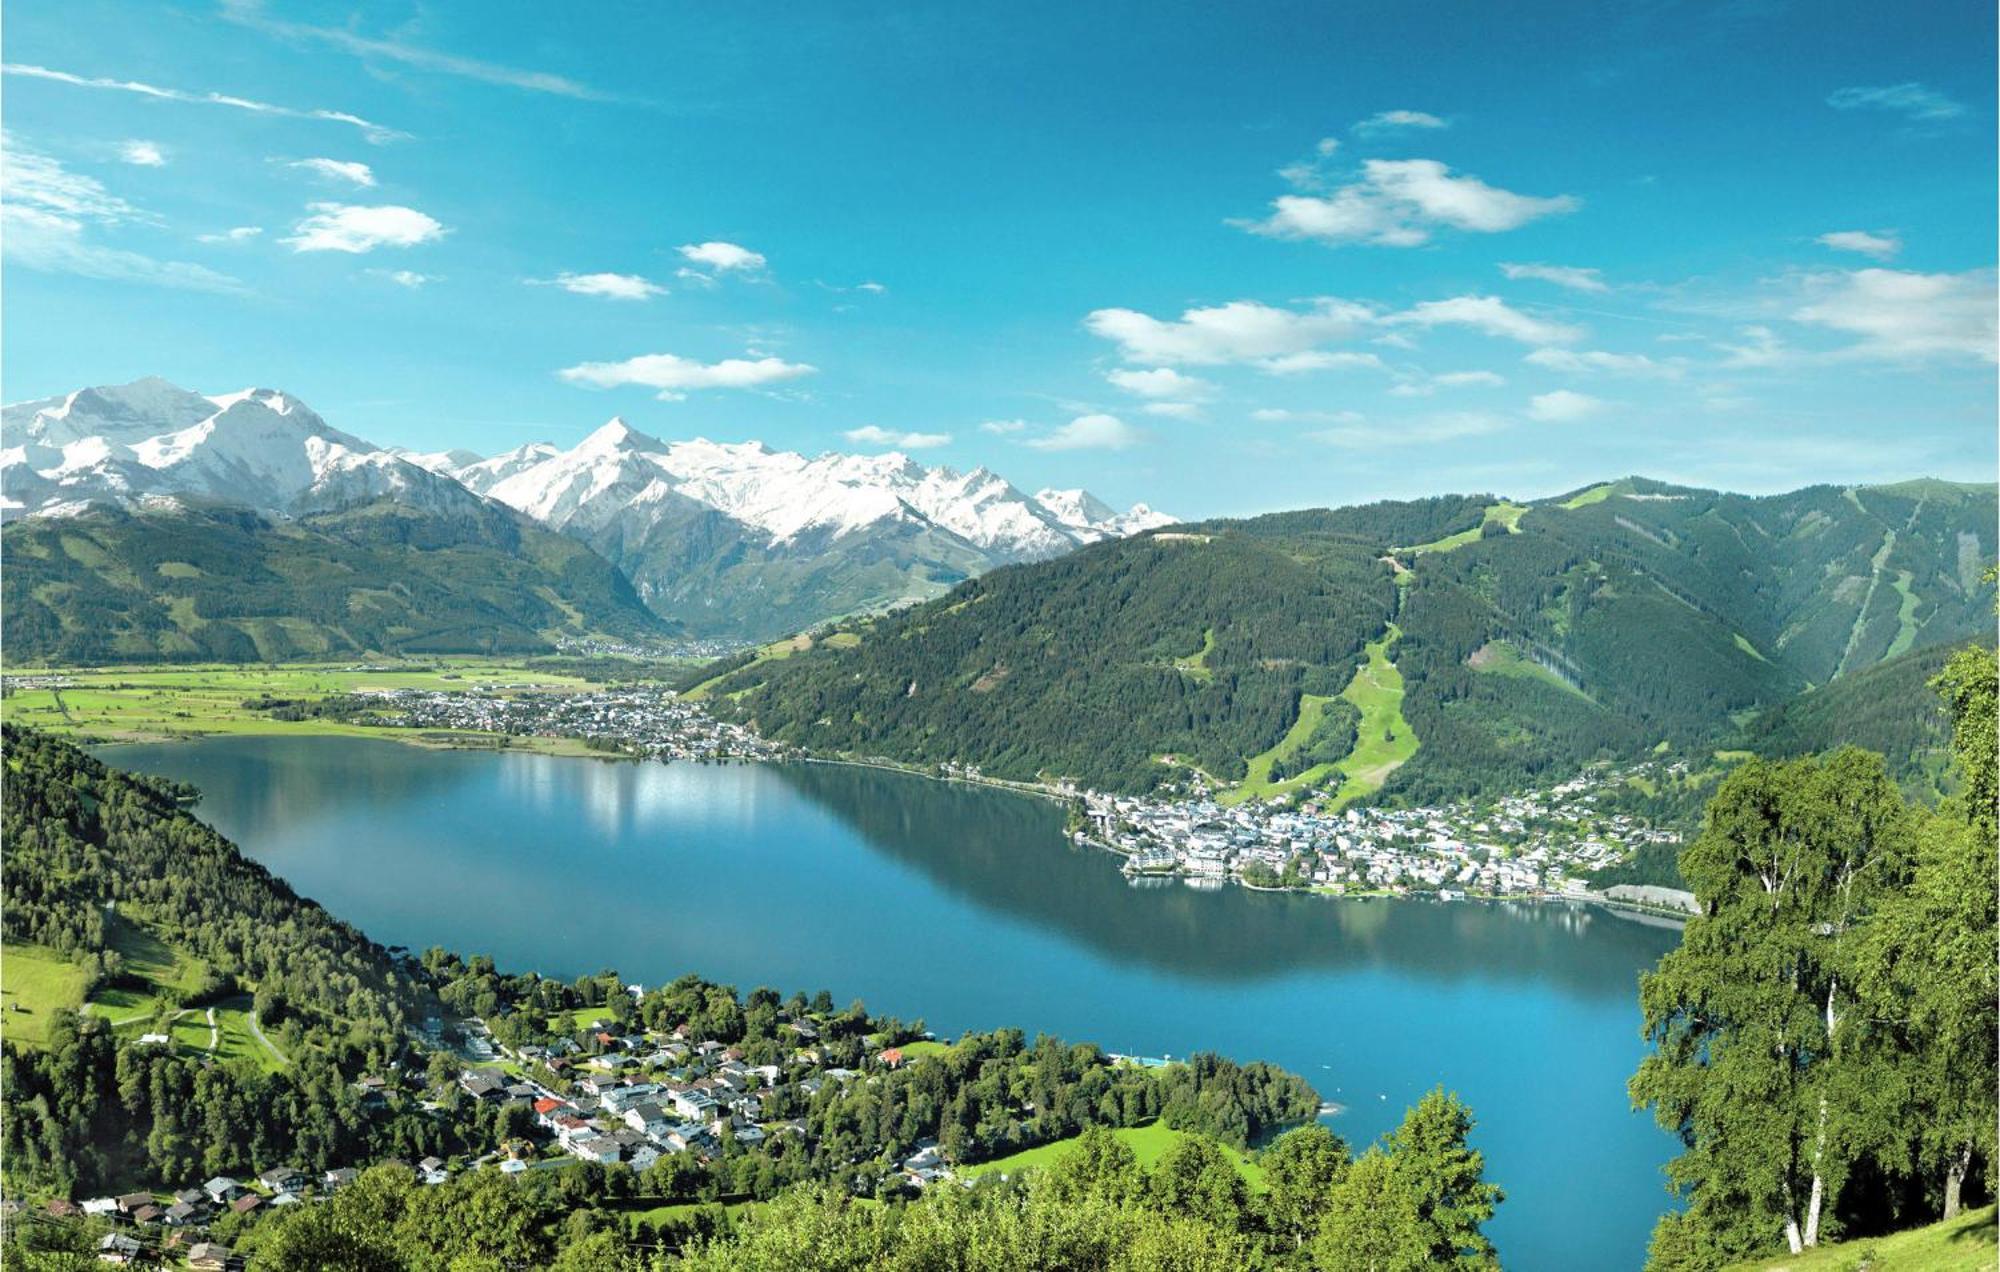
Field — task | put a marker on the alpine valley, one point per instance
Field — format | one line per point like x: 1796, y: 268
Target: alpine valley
x: 150, y: 522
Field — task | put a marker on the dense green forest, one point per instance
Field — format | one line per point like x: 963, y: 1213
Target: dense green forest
x: 1613, y: 623
x: 229, y: 585
x: 1825, y: 1033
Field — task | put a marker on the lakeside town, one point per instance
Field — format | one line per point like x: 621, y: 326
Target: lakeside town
x: 1538, y: 843
x: 1535, y: 844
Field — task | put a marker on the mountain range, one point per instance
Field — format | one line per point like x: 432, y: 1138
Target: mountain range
x: 1431, y: 649
x: 716, y: 540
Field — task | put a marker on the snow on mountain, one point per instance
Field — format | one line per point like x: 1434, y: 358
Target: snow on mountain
x: 619, y: 471
x: 149, y: 440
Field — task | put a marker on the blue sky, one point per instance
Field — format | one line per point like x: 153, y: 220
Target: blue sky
x: 1223, y: 259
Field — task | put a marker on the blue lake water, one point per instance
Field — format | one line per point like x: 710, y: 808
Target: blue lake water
x: 967, y: 907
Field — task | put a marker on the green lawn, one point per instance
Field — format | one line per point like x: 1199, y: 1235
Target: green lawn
x: 34, y: 983
x: 1385, y: 741
x: 1965, y: 1244
x: 922, y: 1047
x: 1148, y: 1143
x: 1596, y: 494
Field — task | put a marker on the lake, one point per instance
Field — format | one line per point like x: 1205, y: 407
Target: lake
x: 967, y: 907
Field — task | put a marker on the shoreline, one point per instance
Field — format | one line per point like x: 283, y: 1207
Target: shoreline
x: 575, y: 748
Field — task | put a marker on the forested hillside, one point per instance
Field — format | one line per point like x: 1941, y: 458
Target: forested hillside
x: 1621, y: 620
x: 91, y: 850
x: 229, y: 585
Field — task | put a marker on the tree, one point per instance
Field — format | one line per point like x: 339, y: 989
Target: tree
x: 1194, y: 1178
x: 1301, y: 1169
x: 1938, y: 952
x: 1443, y: 1180
x: 1775, y: 1081
x: 1370, y: 1224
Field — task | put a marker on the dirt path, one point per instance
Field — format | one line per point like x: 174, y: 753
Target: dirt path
x: 269, y: 1046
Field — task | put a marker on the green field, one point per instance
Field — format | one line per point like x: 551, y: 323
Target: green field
x: 1964, y: 1244
x: 1384, y: 741
x: 34, y: 983
x: 154, y: 703
x: 1506, y: 515
x: 1596, y: 494
x: 1148, y: 1143
x: 1257, y: 783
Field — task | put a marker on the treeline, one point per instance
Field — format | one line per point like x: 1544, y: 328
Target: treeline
x: 1419, y: 1199
x: 1825, y: 1034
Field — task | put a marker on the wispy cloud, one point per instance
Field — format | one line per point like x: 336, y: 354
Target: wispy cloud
x: 607, y: 286
x: 1003, y: 428
x: 1575, y: 362
x: 1428, y: 431
x: 1402, y: 203
x: 251, y: 13
x: 675, y: 376
x: 1901, y: 316
x: 1160, y: 382
x: 1913, y: 101
x: 1487, y: 314
x: 346, y: 227
x: 876, y: 435
x: 406, y: 277
x: 1239, y: 331
x: 359, y: 174
x: 372, y: 131
x: 50, y: 213
x: 1390, y: 120
x: 1570, y: 276
x: 238, y: 234
x: 722, y: 257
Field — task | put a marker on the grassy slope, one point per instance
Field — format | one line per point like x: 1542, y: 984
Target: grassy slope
x: 1257, y: 784
x: 1148, y: 1143
x: 1384, y: 740
x: 34, y: 983
x: 1965, y: 1244
x: 1507, y: 515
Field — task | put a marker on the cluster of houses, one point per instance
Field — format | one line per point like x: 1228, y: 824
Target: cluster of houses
x: 1537, y: 844
x: 640, y: 719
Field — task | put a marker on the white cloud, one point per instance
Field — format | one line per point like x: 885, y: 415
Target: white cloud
x: 406, y: 277
x: 1904, y: 316
x: 1384, y: 121
x: 1762, y: 348
x: 359, y: 174
x: 1174, y: 410
x: 608, y: 286
x: 250, y: 13
x: 49, y: 213
x: 875, y: 435
x: 239, y: 234
x: 1089, y: 432
x: 723, y: 257
x: 1240, y: 331
x: 1320, y: 360
x: 1326, y: 146
x: 373, y: 132
x: 1400, y: 203
x: 1879, y: 246
x: 346, y: 227
x: 1563, y: 406
x: 1002, y: 428
x: 144, y: 154
x: 1161, y: 382
x: 673, y: 375
x: 1488, y: 314
x: 1912, y: 101
x: 1572, y: 362
x: 1429, y: 431
x: 874, y: 287
x: 1570, y: 276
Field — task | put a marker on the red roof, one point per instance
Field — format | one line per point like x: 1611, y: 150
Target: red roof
x: 545, y: 1105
